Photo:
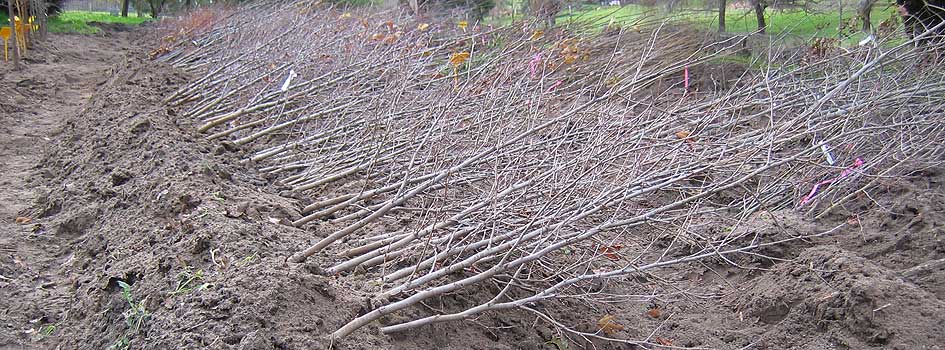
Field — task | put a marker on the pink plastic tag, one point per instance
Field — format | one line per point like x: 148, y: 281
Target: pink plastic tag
x: 846, y: 172
x: 554, y: 86
x: 533, y: 64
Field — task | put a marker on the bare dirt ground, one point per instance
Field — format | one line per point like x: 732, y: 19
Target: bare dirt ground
x: 59, y: 78
x: 118, y: 188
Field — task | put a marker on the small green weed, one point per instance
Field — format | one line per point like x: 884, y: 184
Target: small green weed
x: 187, y: 282
x: 249, y: 259
x: 559, y: 343
x: 135, y: 317
x: 45, y: 331
x: 122, y: 343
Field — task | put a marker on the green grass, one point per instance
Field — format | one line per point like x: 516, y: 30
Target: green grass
x: 785, y: 22
x: 795, y: 24
x: 604, y: 15
x: 78, y: 21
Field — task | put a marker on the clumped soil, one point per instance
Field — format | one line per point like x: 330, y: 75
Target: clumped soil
x: 121, y: 190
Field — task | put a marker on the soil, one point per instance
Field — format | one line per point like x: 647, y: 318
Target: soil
x: 120, y: 191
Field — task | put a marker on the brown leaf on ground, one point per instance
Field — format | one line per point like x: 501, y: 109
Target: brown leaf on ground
x: 608, y: 325
x: 654, y: 312
x: 22, y: 220
x: 459, y: 58
x: 663, y: 341
x: 611, y: 252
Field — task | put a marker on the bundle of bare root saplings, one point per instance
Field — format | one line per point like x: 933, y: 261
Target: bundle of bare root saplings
x: 541, y: 164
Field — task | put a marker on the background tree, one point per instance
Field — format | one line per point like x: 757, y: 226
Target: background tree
x: 157, y: 6
x: 544, y: 10
x: 476, y: 9
x: 759, y: 6
x: 52, y: 6
x: 722, y: 5
x: 863, y: 10
x: 39, y: 10
x: 920, y: 15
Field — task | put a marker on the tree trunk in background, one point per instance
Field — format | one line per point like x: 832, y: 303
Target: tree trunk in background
x: 139, y: 8
x: 13, y: 38
x: 156, y: 7
x: 760, y: 14
x: 42, y: 9
x: 124, y: 8
x: 722, y: 16
x: 188, y: 4
x: 545, y: 10
x: 863, y: 11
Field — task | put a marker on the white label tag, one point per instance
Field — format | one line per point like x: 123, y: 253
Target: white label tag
x: 827, y: 154
x: 288, y: 80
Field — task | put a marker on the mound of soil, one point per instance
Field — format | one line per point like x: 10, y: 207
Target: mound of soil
x: 853, y: 301
x: 113, y: 27
x: 122, y: 227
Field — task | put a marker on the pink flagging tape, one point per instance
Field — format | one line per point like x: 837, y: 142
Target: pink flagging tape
x: 533, y: 64
x: 686, y: 78
x: 554, y: 86
x: 816, y: 189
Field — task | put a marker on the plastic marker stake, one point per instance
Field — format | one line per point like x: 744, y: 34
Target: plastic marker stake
x: 288, y: 80
x: 827, y: 154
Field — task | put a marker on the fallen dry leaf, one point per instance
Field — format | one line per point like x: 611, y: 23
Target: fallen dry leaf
x: 459, y: 58
x: 18, y: 262
x: 681, y: 134
x: 853, y: 220
x: 611, y: 252
x: 538, y: 34
x: 22, y: 220
x: 608, y: 325
x: 569, y: 58
x: 664, y: 341
x: 654, y: 312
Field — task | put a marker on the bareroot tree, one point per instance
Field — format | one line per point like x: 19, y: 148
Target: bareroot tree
x: 538, y: 164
